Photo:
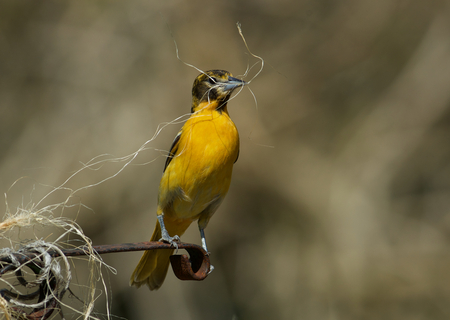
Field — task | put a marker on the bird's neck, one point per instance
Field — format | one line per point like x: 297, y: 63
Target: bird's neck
x: 211, y: 107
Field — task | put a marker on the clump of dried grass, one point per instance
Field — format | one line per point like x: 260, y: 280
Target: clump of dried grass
x: 57, y: 269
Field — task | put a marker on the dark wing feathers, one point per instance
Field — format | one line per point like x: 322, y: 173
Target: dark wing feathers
x: 173, y: 150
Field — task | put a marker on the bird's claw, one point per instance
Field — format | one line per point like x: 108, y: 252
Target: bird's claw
x: 211, y: 269
x: 173, y: 241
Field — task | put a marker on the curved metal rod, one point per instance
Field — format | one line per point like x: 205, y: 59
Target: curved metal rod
x: 196, y: 267
x: 33, y: 262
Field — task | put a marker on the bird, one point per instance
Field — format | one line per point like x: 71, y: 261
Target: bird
x: 197, y: 172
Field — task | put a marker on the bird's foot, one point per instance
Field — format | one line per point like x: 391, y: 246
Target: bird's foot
x: 173, y: 241
x: 165, y: 236
x: 211, y: 269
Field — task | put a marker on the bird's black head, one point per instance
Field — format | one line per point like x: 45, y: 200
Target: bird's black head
x: 214, y: 85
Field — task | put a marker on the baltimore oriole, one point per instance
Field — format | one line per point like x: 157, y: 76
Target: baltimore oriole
x: 197, y: 173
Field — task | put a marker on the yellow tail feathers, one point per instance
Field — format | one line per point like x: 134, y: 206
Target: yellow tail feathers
x: 152, y: 268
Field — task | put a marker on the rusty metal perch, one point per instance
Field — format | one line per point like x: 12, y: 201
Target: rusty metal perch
x: 195, y: 267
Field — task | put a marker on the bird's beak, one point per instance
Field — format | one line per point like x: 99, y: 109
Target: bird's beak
x: 233, y: 83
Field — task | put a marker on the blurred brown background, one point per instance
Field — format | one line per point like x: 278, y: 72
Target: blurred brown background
x: 339, y: 205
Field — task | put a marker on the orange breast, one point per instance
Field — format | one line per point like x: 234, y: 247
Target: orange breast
x: 201, y: 169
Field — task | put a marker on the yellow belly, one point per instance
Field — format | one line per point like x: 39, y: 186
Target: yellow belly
x: 199, y: 175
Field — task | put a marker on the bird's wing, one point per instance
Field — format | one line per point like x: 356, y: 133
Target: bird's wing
x: 173, y: 150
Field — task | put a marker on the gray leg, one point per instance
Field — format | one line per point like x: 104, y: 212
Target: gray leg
x: 202, y: 235
x: 165, y: 235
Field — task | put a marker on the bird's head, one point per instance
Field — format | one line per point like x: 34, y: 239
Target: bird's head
x: 214, y: 86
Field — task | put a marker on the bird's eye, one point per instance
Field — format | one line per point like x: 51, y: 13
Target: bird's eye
x: 212, y: 80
